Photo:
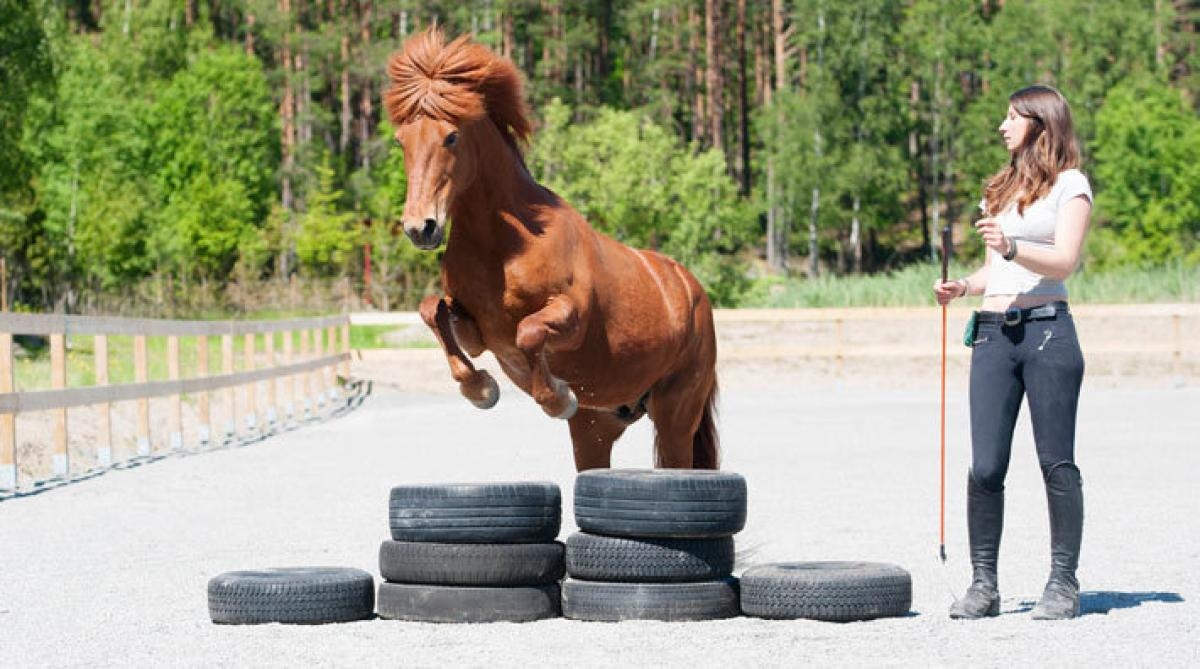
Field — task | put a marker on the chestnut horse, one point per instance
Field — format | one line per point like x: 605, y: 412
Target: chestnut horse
x: 597, y: 333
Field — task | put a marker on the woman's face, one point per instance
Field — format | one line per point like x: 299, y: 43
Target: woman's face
x: 1013, y: 129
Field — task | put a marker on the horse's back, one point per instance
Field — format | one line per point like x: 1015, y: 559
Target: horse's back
x: 649, y: 298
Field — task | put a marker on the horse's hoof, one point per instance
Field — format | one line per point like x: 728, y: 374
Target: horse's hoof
x: 491, y: 393
x: 568, y: 412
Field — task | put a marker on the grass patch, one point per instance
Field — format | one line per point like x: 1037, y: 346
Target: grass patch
x: 912, y: 286
x: 370, y: 336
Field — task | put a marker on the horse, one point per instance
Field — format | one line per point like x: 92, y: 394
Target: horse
x: 597, y: 333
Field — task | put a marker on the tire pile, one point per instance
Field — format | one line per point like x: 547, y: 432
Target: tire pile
x: 655, y: 545
x: 472, y: 553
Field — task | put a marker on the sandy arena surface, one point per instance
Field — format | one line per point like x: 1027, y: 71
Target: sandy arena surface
x: 112, y: 571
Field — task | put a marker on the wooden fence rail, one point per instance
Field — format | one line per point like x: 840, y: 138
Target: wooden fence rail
x: 318, y: 371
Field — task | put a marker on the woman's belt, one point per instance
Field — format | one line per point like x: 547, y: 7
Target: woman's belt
x: 1014, y: 316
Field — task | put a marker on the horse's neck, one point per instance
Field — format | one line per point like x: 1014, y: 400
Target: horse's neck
x: 494, y: 219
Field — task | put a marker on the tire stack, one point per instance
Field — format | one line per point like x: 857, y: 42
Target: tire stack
x: 654, y: 545
x: 472, y: 553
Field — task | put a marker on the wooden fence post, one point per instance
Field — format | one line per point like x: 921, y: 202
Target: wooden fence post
x: 104, y: 409
x: 230, y: 396
x: 305, y: 377
x: 251, y: 388
x: 175, y: 426
x: 141, y: 374
x: 58, y: 381
x: 8, y: 421
x: 331, y: 346
x: 272, y: 416
x: 318, y: 374
x: 346, y: 349
x: 290, y: 383
x: 202, y: 399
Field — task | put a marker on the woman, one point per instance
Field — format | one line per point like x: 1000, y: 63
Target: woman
x: 1036, y: 216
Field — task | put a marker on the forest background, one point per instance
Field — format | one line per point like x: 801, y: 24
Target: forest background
x: 201, y: 157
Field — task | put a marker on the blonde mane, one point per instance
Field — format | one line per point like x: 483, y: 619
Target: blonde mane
x: 456, y: 82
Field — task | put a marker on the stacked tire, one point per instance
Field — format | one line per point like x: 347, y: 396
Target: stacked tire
x: 654, y: 545
x: 472, y: 553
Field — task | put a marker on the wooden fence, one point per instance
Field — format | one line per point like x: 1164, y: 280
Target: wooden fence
x: 314, y: 368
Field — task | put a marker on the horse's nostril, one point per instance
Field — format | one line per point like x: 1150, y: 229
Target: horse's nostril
x: 430, y: 226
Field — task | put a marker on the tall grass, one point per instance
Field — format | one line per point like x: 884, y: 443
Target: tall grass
x: 912, y: 286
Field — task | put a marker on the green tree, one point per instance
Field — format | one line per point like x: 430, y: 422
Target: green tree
x: 635, y: 182
x: 327, y: 234
x: 1147, y: 177
x: 25, y: 70
x: 214, y: 156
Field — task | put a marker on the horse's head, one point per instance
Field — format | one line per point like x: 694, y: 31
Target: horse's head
x: 453, y: 105
x: 440, y: 163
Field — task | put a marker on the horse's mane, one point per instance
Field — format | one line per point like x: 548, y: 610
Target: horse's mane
x: 455, y: 82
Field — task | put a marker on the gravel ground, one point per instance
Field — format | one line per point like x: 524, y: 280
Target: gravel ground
x: 112, y: 571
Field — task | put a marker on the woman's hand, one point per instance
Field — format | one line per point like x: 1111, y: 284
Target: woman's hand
x: 993, y: 237
x: 946, y: 291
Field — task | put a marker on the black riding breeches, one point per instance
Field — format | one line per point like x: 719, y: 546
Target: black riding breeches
x: 1039, y: 359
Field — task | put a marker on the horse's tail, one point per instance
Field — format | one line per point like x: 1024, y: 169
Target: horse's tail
x: 706, y: 445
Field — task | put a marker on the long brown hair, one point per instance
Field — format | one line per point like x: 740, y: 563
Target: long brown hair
x: 456, y: 82
x: 1049, y: 147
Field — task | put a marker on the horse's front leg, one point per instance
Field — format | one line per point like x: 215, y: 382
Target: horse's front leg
x: 556, y: 327
x: 446, y: 320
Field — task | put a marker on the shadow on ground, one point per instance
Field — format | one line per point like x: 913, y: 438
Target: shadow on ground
x: 1104, y: 601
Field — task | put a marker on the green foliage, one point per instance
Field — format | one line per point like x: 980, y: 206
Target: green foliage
x: 141, y: 144
x: 635, y: 182
x: 25, y: 70
x: 213, y: 161
x: 327, y: 234
x: 1148, y: 177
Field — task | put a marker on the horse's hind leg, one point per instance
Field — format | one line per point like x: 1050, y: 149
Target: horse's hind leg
x: 676, y: 408
x: 475, y: 384
x: 592, y: 434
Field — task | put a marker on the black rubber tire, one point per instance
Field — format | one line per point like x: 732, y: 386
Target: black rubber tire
x: 612, y: 602
x: 476, y: 513
x: 660, y: 503
x: 460, y: 604
x: 471, y: 564
x: 303, y: 595
x: 593, y: 557
x: 835, y: 591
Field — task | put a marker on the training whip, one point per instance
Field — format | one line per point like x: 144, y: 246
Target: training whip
x: 942, y: 478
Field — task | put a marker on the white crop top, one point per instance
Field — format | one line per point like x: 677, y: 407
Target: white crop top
x: 1035, y: 228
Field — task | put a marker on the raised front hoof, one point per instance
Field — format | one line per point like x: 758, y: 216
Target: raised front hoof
x: 564, y: 409
x: 484, y: 392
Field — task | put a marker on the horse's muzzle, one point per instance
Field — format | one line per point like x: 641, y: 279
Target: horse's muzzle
x: 427, y: 237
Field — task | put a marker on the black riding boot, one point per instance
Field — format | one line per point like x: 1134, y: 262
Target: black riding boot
x: 985, y: 520
x: 1064, y: 495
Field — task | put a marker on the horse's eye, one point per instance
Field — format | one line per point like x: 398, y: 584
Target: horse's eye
x: 451, y: 139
